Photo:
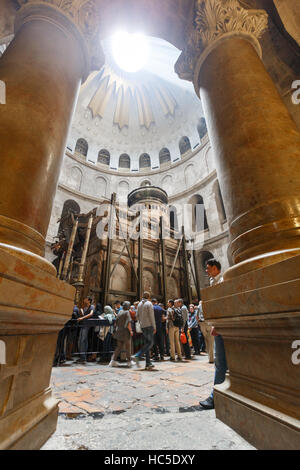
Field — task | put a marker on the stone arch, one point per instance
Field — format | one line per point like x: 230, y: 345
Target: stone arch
x: 167, y: 184
x: 184, y: 145
x: 82, y: 147
x: 65, y: 228
x: 149, y: 281
x: 173, y: 218
x: 164, y: 156
x: 190, y: 175
x: 104, y: 157
x: 199, y: 218
x: 145, y: 161
x: 124, y: 161
x: 120, y: 278
x: 173, y: 288
x: 123, y: 189
x: 75, y: 178
x: 101, y: 186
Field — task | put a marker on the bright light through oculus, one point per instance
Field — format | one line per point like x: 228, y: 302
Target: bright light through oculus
x: 131, y: 51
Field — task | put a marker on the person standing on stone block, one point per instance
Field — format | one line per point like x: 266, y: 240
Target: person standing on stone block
x: 213, y: 269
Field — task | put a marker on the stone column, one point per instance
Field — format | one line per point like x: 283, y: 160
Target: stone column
x: 42, y: 69
x: 257, y: 149
x: 255, y: 140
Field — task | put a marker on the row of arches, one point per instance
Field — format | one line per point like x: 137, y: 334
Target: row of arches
x: 184, y: 144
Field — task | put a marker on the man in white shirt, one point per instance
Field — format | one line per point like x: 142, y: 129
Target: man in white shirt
x: 213, y: 269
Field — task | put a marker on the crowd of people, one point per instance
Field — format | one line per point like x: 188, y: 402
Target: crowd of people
x: 145, y: 330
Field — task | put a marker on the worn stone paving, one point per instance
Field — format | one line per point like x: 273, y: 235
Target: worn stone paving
x: 95, y: 388
x: 121, y: 408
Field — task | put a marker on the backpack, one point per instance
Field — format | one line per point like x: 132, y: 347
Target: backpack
x: 178, y: 318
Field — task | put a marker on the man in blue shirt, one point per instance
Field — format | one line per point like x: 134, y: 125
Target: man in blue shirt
x: 118, y: 306
x: 158, y: 337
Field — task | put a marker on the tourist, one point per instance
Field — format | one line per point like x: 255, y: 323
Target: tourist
x: 194, y: 329
x: 123, y: 335
x: 93, y: 338
x: 72, y: 331
x: 86, y: 313
x: 158, y: 337
x: 200, y: 318
x: 137, y: 338
x: 213, y: 269
x: 117, y: 306
x: 185, y: 314
x: 106, y: 332
x: 173, y: 323
x: 145, y: 315
x: 164, y: 329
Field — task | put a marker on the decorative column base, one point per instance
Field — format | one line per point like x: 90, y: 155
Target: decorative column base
x: 264, y: 427
x: 258, y: 315
x: 34, y: 306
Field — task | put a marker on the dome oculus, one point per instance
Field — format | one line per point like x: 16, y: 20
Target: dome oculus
x: 130, y: 51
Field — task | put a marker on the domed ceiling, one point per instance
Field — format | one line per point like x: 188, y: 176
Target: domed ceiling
x: 136, y: 113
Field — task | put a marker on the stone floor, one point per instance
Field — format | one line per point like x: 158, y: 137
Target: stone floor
x: 132, y: 409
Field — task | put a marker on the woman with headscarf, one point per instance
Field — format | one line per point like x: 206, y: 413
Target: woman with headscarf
x: 106, y: 332
x: 137, y: 337
x: 123, y: 335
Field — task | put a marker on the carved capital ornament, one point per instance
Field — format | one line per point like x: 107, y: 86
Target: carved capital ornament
x: 215, y: 21
x: 78, y: 17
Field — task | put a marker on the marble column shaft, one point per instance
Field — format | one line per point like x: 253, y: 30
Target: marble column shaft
x: 42, y: 70
x: 257, y: 150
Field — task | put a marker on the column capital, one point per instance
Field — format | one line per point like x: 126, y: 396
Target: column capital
x: 79, y: 18
x: 212, y: 22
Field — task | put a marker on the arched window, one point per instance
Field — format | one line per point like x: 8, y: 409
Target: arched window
x: 184, y: 145
x: 104, y: 157
x: 82, y: 147
x: 164, y: 156
x: 145, y: 161
x: 199, y: 219
x: 65, y: 226
x: 124, y: 161
x: 201, y: 128
x: 173, y: 220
